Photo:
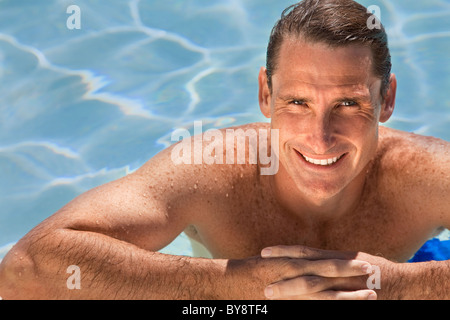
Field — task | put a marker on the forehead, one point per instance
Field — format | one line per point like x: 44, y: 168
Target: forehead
x: 322, y: 66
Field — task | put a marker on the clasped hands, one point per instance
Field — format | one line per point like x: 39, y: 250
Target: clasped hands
x: 320, y: 274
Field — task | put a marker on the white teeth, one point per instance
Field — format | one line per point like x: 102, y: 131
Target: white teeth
x: 323, y: 162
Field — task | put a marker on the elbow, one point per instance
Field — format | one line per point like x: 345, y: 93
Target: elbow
x: 18, y: 279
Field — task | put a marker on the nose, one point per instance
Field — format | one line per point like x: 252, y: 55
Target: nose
x: 321, y: 137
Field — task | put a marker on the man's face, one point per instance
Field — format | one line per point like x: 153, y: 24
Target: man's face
x: 326, y: 102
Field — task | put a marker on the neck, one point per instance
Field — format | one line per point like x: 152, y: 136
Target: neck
x: 309, y: 204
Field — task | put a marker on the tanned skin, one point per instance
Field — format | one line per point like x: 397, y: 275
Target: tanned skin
x: 307, y: 232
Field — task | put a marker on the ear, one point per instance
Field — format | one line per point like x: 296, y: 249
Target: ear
x: 264, y: 93
x: 387, y: 108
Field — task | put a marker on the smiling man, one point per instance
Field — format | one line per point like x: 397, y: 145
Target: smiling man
x: 349, y: 196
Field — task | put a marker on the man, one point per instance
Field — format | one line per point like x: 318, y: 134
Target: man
x: 349, y: 196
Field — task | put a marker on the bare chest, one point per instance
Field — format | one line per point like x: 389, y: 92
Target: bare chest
x: 239, y: 231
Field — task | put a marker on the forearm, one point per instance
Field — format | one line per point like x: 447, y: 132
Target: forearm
x: 424, y: 280
x: 110, y: 269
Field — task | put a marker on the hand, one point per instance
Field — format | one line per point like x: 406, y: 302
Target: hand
x: 320, y: 274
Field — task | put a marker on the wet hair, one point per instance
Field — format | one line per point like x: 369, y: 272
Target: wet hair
x: 336, y: 23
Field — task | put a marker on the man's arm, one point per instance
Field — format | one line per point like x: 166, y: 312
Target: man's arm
x: 426, y: 188
x: 111, y: 235
x: 108, y: 269
x: 428, y: 280
x: 114, y: 269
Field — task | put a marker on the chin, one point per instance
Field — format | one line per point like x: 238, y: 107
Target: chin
x: 321, y: 190
x: 324, y: 185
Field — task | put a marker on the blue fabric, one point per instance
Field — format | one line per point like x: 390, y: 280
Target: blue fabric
x: 433, y: 249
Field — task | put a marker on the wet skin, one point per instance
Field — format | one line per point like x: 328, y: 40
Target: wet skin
x: 348, y: 192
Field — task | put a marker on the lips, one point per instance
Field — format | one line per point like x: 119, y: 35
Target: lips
x: 323, y: 161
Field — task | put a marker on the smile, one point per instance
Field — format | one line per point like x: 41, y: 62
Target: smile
x: 322, y: 162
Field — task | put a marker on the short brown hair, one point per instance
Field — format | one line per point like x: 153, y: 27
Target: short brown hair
x: 336, y: 23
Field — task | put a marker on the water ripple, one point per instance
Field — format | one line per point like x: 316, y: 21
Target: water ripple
x: 81, y: 107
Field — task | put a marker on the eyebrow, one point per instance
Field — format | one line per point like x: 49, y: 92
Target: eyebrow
x: 357, y: 98
x: 290, y: 97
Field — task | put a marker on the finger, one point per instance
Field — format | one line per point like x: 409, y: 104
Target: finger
x: 329, y: 295
x: 297, y: 286
x: 312, y: 284
x: 304, y: 253
x: 335, y: 268
x: 346, y: 295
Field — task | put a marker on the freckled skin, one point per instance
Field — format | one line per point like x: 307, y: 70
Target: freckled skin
x: 385, y: 197
x: 387, y: 220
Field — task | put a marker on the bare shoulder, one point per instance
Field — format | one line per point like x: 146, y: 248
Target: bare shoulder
x: 389, y: 135
x: 194, y: 171
x: 206, y: 152
x: 418, y: 154
x: 416, y: 169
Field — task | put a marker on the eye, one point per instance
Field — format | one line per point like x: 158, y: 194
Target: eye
x: 348, y: 103
x: 298, y: 102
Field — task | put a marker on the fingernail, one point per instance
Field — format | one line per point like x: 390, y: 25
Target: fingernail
x: 372, y: 296
x: 268, y: 292
x: 366, y: 268
x: 266, y: 252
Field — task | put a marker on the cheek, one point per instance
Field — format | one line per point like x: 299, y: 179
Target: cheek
x: 358, y: 126
x: 291, y: 123
x: 292, y: 130
x: 363, y: 135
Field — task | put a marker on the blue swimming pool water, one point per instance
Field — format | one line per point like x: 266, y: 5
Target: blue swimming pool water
x: 85, y: 106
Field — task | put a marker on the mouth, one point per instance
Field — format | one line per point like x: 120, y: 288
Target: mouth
x: 324, y: 162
